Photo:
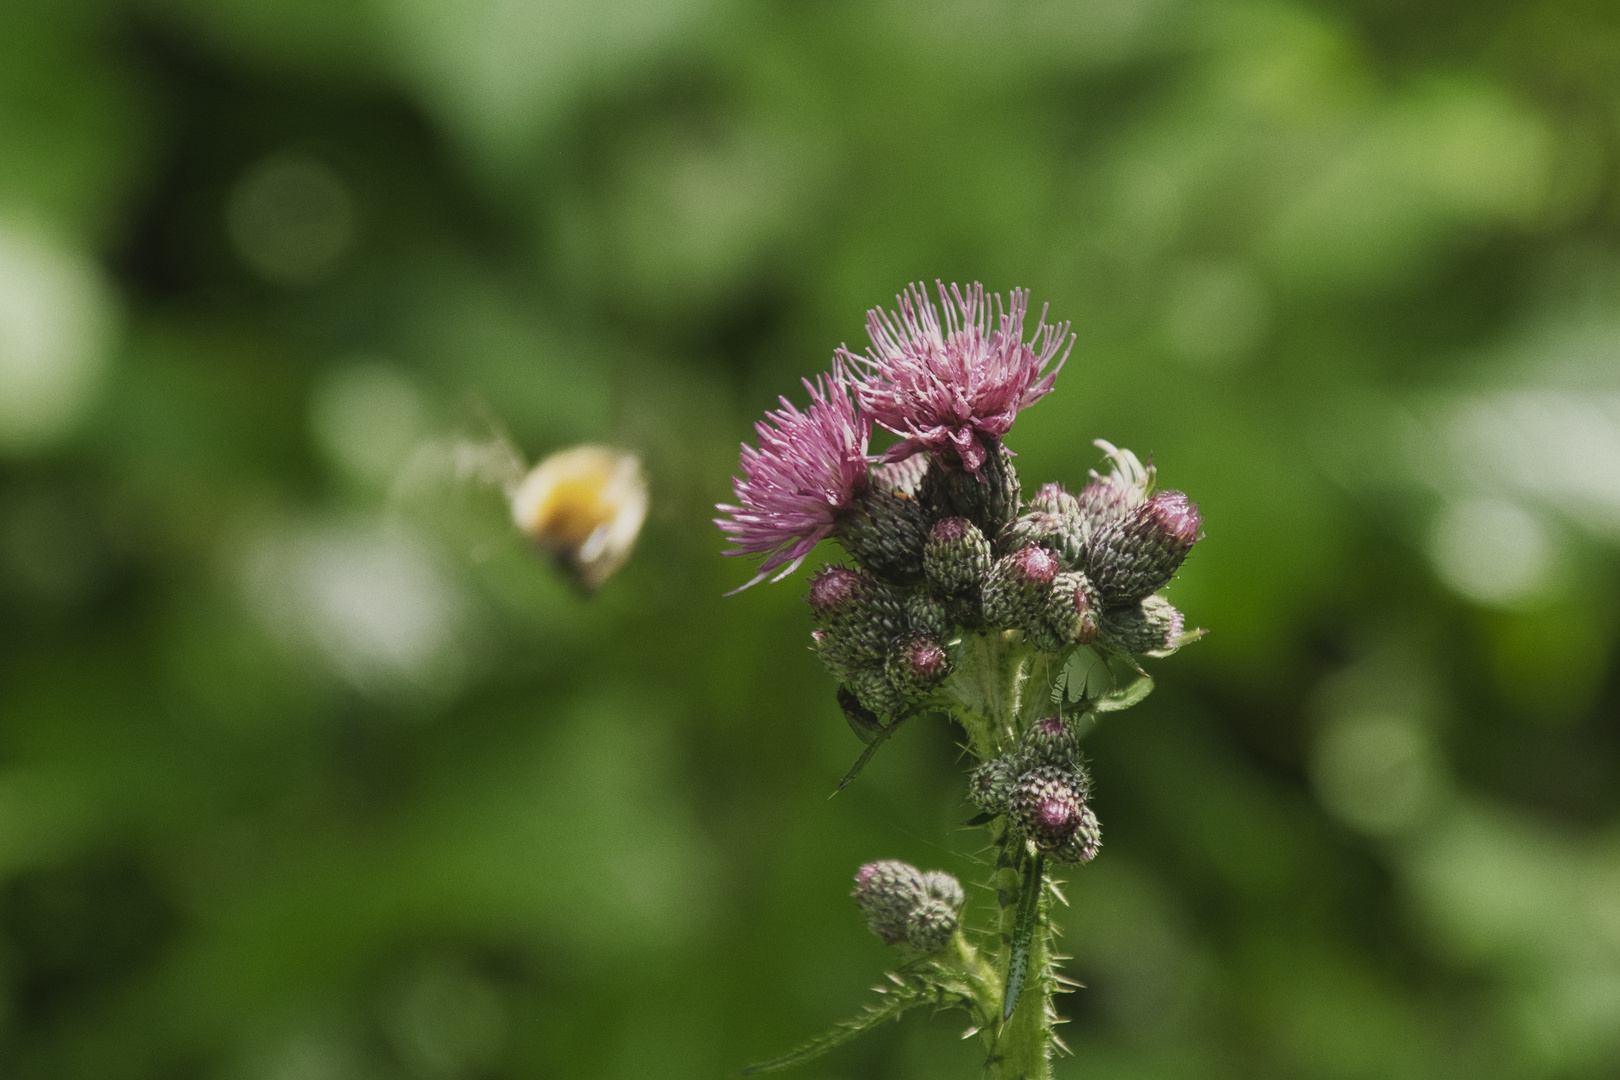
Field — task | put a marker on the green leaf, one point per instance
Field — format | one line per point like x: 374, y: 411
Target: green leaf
x: 1123, y: 697
x: 1023, y: 936
x: 909, y: 991
x: 871, y: 749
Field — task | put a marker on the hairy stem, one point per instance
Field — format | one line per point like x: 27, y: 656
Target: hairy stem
x: 1023, y: 1046
x: 1001, y: 687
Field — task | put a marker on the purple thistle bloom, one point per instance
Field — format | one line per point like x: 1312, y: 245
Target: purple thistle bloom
x: 809, y: 466
x: 954, y: 384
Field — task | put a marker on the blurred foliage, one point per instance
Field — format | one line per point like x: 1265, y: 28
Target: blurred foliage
x: 309, y: 769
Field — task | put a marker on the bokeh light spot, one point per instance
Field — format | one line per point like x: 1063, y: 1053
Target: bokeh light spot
x: 1493, y: 552
x: 54, y: 332
x: 292, y: 218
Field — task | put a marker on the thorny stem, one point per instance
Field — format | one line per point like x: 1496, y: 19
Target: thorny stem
x: 1000, y: 686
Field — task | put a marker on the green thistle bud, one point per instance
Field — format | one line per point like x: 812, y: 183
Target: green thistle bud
x: 1053, y: 499
x: 1109, y: 497
x: 990, y: 785
x: 916, y: 664
x: 903, y: 904
x: 1052, y: 741
x: 930, y: 925
x: 956, y: 557
x: 1016, y: 589
x: 885, y: 531
x: 933, y: 921
x: 877, y: 692
x: 1048, y: 804
x: 1082, y: 844
x: 927, y: 615
x: 989, y: 500
x: 858, y: 615
x: 1055, y: 521
x: 888, y: 892
x: 1152, y: 626
x: 1104, y: 500
x: 1139, y: 552
x: 1072, y: 609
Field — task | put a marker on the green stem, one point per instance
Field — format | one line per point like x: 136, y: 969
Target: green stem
x: 1001, y: 686
x: 1023, y: 1047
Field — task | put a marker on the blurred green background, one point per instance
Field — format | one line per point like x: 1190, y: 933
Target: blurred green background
x: 309, y: 770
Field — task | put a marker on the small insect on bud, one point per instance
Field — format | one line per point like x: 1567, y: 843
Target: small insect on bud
x: 916, y: 664
x: 990, y: 785
x: 1072, y: 609
x: 1152, y: 626
x: 1082, y: 844
x: 583, y: 506
x: 1139, y: 552
x: 1048, y: 804
x: 885, y: 531
x: 888, y: 892
x: 1016, y: 588
x: 858, y: 615
x: 956, y: 557
x: 933, y: 921
x: 903, y: 477
x: 1052, y: 741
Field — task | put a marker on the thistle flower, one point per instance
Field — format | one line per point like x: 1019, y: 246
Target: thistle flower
x: 809, y: 466
x: 954, y: 383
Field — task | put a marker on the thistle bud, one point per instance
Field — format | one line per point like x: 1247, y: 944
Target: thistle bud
x: 933, y: 921
x: 1083, y: 843
x: 990, y: 785
x: 1152, y: 626
x: 1054, y: 521
x: 1102, y: 501
x: 927, y: 615
x: 916, y: 664
x: 1016, y: 588
x: 1048, y: 805
x: 1109, y: 497
x: 859, y: 617
x: 1139, y: 552
x: 956, y: 557
x: 1052, y: 741
x: 874, y: 689
x: 902, y: 904
x: 888, y: 892
x: 1072, y: 609
x: 885, y: 531
x: 989, y: 500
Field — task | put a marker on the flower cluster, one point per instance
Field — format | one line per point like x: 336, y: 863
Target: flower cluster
x: 937, y: 527
x: 1042, y: 788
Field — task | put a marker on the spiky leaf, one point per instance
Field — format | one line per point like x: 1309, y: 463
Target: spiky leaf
x: 911, y: 989
x: 1023, y: 936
